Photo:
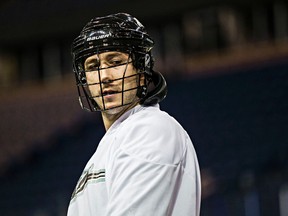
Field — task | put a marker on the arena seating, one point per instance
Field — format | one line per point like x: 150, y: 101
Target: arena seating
x: 238, y: 124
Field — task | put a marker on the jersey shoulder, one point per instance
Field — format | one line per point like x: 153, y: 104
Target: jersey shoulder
x: 154, y: 136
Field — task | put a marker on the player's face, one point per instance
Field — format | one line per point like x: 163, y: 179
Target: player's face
x: 112, y: 80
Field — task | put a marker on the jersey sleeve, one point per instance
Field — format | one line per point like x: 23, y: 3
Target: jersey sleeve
x: 143, y: 178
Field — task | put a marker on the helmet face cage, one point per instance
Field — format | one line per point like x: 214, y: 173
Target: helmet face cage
x: 121, y: 33
x: 88, y: 99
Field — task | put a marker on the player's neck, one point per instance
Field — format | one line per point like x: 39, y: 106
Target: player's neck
x: 110, y: 117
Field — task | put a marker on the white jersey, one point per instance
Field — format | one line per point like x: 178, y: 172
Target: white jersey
x: 144, y: 165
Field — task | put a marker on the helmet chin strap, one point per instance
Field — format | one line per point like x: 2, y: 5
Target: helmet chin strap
x: 142, y: 88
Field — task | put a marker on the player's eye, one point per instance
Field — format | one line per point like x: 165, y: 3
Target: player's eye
x: 91, y: 67
x: 116, y: 62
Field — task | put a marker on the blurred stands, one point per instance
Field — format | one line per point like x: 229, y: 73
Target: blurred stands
x: 44, y: 182
x: 227, y: 71
x: 238, y: 123
x: 30, y: 115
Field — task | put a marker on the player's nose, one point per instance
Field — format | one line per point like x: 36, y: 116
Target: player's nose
x: 105, y: 75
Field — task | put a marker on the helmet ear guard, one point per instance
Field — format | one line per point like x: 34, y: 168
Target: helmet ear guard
x: 157, y: 90
x: 143, y: 62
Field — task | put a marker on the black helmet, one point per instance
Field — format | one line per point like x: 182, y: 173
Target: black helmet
x: 124, y: 33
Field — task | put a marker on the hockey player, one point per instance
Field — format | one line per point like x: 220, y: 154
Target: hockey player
x: 145, y: 164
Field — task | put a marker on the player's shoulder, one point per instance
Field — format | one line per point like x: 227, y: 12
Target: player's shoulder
x: 153, y: 135
x: 153, y: 116
x: 152, y: 119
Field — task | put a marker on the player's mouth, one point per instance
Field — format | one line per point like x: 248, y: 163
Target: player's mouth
x: 109, y: 93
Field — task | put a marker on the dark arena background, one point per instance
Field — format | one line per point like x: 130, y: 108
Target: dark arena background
x: 227, y: 71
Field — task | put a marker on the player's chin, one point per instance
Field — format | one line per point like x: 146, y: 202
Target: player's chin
x: 117, y: 104
x: 114, y: 109
x: 111, y: 103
